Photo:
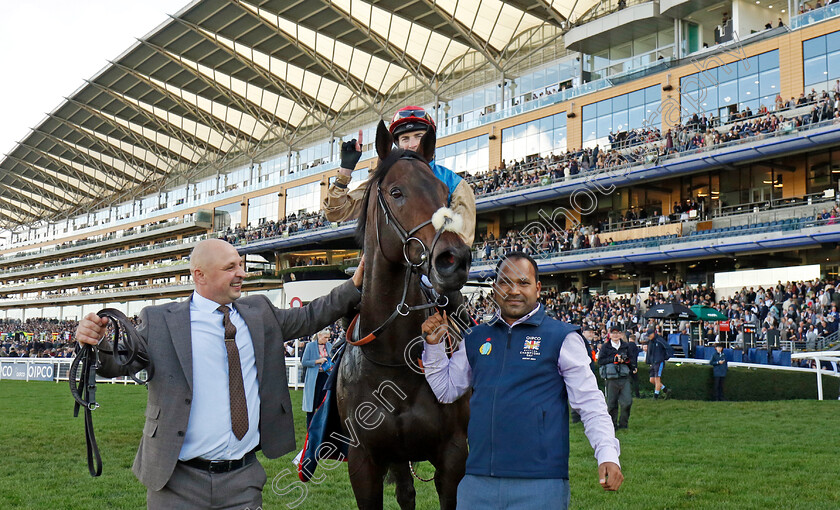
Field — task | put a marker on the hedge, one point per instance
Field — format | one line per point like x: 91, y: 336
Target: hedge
x: 694, y: 382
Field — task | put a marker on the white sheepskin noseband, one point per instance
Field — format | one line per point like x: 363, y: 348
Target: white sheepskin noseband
x: 446, y: 219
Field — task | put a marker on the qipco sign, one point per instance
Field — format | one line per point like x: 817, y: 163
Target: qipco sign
x: 40, y: 372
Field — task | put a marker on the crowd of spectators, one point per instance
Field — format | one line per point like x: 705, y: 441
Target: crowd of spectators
x: 796, y: 312
x: 543, y: 241
x: 289, y: 225
x: 36, y: 338
x: 645, y: 145
x: 819, y: 4
x: 578, y: 237
x: 799, y: 312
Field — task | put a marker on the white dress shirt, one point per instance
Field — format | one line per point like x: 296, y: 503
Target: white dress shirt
x: 209, y: 433
x: 450, y: 378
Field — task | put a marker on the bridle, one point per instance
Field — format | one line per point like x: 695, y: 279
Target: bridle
x: 134, y: 350
x: 406, y: 237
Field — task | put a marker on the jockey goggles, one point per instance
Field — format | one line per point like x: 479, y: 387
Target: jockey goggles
x: 408, y: 119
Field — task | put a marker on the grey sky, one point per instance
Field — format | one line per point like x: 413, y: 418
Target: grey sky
x: 49, y: 47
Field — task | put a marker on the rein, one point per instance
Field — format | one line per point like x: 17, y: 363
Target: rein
x: 84, y: 389
x: 406, y: 237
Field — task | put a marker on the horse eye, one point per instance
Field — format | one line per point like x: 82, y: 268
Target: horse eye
x: 396, y: 193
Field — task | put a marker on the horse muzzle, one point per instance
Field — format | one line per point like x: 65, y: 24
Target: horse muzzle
x: 450, y: 267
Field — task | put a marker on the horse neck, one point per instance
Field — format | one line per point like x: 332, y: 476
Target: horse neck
x: 383, y: 288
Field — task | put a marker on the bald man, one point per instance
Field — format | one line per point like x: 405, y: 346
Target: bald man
x: 219, y: 390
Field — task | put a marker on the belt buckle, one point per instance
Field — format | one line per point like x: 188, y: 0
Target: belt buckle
x: 219, y: 466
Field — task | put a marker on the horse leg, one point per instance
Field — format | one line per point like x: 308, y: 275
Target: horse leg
x: 405, y: 485
x: 367, y: 479
x: 450, y: 467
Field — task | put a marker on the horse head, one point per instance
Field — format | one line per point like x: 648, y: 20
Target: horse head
x: 407, y: 216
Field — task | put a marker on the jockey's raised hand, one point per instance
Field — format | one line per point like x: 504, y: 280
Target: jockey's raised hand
x: 351, y: 152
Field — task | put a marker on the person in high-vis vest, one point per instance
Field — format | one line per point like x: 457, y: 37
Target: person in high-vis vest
x: 408, y: 127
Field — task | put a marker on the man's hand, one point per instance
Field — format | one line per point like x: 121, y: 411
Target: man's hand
x: 351, y: 153
x: 91, y: 329
x: 359, y: 275
x: 434, y: 328
x: 610, y: 476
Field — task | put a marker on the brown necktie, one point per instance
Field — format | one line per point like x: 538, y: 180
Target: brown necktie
x: 238, y: 404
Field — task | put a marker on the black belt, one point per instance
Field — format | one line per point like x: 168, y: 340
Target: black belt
x: 221, y: 466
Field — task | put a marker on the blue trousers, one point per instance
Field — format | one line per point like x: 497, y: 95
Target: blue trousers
x: 493, y: 493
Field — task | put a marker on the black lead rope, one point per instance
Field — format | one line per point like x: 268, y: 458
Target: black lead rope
x: 84, y: 392
x: 83, y: 387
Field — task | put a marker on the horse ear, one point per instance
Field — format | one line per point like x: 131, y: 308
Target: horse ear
x: 426, y: 149
x: 384, y: 140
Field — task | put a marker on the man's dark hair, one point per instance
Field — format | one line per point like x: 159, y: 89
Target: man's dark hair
x: 518, y: 255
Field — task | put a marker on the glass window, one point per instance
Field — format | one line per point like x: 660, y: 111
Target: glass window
x: 620, y: 120
x: 546, y: 124
x: 748, y: 67
x: 621, y: 113
x: 767, y: 83
x: 227, y: 216
x: 636, y: 98
x: 620, y: 103
x: 605, y: 126
x: 834, y: 65
x: 832, y: 41
x: 472, y: 155
x: 604, y: 107
x: 821, y: 58
x: 589, y: 133
x: 748, y: 88
x: 636, y: 116
x: 263, y: 209
x: 815, y: 70
x: 813, y: 47
x: 769, y: 60
x: 304, y: 198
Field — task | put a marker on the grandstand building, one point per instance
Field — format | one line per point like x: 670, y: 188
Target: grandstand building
x: 624, y: 142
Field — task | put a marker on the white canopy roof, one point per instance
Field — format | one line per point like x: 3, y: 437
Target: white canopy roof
x: 227, y: 78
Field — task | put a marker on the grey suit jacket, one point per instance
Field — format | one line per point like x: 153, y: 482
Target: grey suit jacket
x: 166, y: 328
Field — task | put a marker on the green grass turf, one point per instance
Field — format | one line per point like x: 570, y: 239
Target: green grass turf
x: 676, y: 454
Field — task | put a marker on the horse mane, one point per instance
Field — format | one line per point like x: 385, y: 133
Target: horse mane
x: 373, y: 183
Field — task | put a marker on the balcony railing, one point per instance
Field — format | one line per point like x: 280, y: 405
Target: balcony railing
x: 815, y: 16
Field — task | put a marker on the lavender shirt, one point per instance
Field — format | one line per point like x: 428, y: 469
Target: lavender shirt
x: 451, y: 378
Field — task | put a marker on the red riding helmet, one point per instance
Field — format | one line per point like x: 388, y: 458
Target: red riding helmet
x: 410, y: 118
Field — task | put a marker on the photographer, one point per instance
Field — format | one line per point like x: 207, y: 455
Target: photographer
x: 616, y: 364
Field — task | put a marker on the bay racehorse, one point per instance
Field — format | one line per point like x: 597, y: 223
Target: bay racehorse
x: 395, y: 416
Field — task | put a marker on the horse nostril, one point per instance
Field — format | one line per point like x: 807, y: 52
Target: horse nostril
x: 445, y: 262
x: 450, y: 261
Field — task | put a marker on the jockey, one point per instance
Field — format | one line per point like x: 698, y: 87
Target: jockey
x: 408, y: 127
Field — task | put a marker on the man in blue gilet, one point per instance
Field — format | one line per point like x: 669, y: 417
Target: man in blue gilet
x: 525, y: 369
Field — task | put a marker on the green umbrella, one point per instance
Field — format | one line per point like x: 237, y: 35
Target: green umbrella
x: 707, y: 313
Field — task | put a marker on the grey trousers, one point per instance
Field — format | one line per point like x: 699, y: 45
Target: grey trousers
x: 619, y: 395
x: 194, y: 489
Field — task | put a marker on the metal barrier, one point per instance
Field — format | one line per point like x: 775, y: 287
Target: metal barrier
x: 58, y: 370
x: 819, y: 357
